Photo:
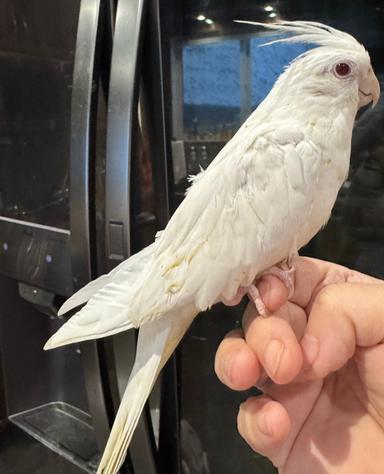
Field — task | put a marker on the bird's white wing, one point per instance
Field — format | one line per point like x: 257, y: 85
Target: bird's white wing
x: 125, y: 271
x: 106, y: 292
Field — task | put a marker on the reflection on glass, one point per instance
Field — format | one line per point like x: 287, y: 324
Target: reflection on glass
x: 217, y: 76
x: 267, y: 63
x: 36, y: 60
x: 211, y: 98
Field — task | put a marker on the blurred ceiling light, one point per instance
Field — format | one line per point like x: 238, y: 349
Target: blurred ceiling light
x: 208, y: 21
x: 272, y: 15
x: 200, y: 18
x: 268, y: 8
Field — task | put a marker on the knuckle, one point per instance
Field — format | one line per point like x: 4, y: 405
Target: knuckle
x: 327, y: 299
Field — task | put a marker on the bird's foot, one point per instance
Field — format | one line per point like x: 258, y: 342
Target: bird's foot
x: 254, y: 295
x: 284, y: 272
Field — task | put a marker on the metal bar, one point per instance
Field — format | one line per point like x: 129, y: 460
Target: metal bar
x: 121, y: 128
x: 80, y: 150
x: 153, y: 74
x: 122, y: 109
x: 80, y: 140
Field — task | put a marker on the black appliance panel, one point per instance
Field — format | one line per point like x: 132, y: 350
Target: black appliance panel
x: 37, y: 255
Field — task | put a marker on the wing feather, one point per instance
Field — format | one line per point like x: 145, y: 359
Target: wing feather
x: 133, y: 265
x: 109, y: 297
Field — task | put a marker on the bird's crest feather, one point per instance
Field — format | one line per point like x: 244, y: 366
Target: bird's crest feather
x: 310, y: 32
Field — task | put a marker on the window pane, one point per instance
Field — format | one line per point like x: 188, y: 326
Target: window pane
x: 211, y: 80
x: 268, y: 62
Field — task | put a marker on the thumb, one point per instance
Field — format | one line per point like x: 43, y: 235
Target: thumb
x: 343, y: 317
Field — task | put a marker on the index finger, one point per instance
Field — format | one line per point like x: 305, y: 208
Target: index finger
x: 343, y: 317
x: 311, y: 275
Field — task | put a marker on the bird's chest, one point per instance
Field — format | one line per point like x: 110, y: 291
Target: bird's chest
x: 329, y: 172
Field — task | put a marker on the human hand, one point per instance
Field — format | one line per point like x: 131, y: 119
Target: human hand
x: 319, y: 359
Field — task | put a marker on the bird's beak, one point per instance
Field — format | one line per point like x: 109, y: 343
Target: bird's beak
x: 369, y: 90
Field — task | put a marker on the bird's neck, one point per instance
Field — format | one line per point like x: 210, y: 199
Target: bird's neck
x: 326, y: 117
x: 327, y: 120
x: 305, y: 99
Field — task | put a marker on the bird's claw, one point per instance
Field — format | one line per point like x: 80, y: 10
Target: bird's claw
x: 285, y: 273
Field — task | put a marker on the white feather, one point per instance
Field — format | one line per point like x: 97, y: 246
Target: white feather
x: 157, y: 340
x: 104, y: 293
x: 309, y: 32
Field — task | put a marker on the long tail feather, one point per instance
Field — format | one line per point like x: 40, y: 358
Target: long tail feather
x: 157, y: 340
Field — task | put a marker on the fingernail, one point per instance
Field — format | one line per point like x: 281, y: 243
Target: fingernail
x: 310, y: 348
x: 273, y: 355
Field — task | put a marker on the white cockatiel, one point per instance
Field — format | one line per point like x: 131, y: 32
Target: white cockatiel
x: 266, y: 194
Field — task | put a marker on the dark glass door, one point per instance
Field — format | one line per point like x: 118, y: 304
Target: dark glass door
x: 36, y: 60
x: 217, y: 74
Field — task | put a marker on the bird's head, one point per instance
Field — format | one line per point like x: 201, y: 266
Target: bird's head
x: 336, y: 74
x: 336, y: 70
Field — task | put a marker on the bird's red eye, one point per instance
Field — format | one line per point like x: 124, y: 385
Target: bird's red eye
x: 342, y: 69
